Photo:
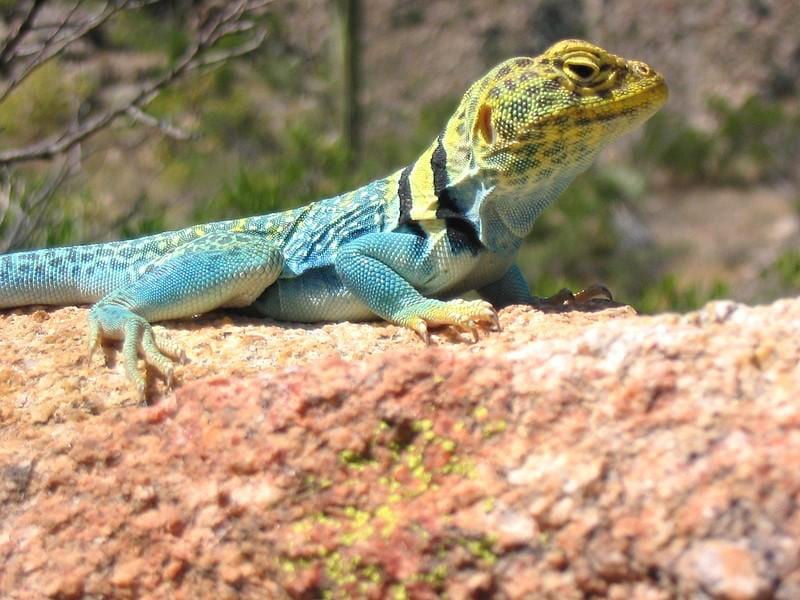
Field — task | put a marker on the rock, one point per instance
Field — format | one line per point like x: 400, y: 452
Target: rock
x: 724, y: 569
x: 573, y: 453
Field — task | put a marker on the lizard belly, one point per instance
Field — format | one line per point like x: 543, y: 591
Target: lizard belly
x: 317, y: 295
x: 440, y: 268
x: 454, y: 272
x: 485, y: 268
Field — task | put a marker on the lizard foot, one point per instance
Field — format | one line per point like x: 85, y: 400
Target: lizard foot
x: 466, y: 315
x: 119, y: 323
x: 595, y: 291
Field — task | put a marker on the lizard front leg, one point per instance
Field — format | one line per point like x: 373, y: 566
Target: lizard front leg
x: 383, y: 270
x: 512, y: 288
x: 212, y: 271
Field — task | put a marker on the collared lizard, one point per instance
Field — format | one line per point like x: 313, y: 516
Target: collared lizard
x: 400, y: 248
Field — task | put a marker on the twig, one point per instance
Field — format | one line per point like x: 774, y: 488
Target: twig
x: 224, y: 55
x: 57, y: 29
x: 5, y: 196
x: 43, y: 197
x: 218, y: 25
x: 13, y: 40
x: 52, y: 47
x: 164, y: 127
x: 31, y: 210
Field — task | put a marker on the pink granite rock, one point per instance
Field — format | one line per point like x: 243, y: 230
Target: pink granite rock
x: 573, y: 454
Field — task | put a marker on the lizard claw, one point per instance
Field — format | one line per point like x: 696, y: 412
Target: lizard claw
x: 94, y: 338
x: 419, y: 326
x: 496, y: 322
x: 466, y: 315
x: 561, y: 297
x: 596, y: 291
x: 564, y: 296
x: 138, y: 339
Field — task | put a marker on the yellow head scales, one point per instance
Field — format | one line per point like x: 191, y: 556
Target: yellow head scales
x: 526, y: 128
x: 531, y: 117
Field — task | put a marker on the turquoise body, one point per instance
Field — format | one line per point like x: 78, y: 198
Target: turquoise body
x: 281, y: 265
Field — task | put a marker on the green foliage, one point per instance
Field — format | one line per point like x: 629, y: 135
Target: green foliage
x: 756, y: 141
x: 41, y: 104
x: 685, y: 151
x: 305, y: 169
x: 146, y: 220
x: 578, y: 242
x: 147, y: 32
x: 788, y: 269
x: 7, y: 6
x: 670, y: 294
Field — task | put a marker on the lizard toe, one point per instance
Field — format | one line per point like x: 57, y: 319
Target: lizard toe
x: 469, y: 316
x: 138, y: 339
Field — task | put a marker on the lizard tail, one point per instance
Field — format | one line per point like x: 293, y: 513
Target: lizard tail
x: 72, y: 275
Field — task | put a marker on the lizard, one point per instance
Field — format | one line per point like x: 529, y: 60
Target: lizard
x: 402, y: 248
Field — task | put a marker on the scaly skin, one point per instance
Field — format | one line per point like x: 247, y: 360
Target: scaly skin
x: 397, y: 248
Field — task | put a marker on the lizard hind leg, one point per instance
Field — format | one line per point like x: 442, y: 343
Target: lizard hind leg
x: 216, y: 270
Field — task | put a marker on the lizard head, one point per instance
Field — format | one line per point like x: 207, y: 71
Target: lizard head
x: 533, y: 119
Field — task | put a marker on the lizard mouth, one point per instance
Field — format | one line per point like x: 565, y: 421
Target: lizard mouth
x: 637, y: 102
x: 626, y: 106
x: 635, y: 89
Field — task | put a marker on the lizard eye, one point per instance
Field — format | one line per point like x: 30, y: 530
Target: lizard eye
x: 581, y: 69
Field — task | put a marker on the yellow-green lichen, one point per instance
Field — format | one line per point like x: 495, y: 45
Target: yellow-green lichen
x: 360, y: 526
x: 390, y: 519
x: 340, y: 570
x: 494, y: 427
x: 354, y: 460
x: 317, y: 483
x: 447, y: 445
x: 350, y: 572
x: 435, y: 577
x: 464, y: 467
x: 482, y: 548
x: 422, y: 425
x: 398, y: 592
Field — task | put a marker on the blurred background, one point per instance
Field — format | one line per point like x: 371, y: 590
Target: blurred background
x: 124, y: 118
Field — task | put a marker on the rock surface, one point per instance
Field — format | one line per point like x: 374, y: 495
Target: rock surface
x: 574, y: 454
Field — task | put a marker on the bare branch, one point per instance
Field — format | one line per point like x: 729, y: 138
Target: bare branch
x: 15, y: 37
x: 164, y: 127
x: 30, y: 209
x: 53, y: 47
x: 56, y: 31
x: 217, y: 25
x: 213, y: 58
x: 5, y: 198
x: 255, y: 7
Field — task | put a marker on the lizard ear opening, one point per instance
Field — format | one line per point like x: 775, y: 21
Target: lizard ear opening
x: 483, y: 124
